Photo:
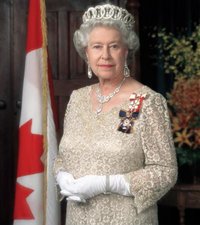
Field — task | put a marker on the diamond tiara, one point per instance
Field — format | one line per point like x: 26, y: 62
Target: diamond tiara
x: 107, y: 11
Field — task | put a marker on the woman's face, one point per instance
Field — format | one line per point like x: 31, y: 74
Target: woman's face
x: 106, y: 52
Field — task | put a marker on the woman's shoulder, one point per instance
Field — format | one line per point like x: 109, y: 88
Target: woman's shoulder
x: 134, y: 86
x: 150, y: 93
x: 82, y: 92
x: 78, y: 97
x: 152, y: 98
x: 144, y: 89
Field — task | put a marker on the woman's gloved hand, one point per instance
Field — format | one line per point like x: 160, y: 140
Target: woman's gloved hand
x: 92, y: 185
x: 86, y: 187
x: 63, y: 180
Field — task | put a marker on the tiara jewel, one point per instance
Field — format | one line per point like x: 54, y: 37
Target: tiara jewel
x: 107, y: 11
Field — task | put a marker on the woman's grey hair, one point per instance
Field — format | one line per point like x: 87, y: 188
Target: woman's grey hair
x: 129, y: 37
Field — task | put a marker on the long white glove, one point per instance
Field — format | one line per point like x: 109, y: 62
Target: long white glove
x: 117, y: 184
x: 92, y: 185
x: 63, y: 179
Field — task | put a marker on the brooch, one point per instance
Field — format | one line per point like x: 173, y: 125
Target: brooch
x: 128, y: 117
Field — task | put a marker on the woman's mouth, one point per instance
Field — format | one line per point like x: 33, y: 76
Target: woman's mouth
x: 105, y: 65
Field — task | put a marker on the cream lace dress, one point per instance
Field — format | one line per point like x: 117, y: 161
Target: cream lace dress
x: 91, y: 144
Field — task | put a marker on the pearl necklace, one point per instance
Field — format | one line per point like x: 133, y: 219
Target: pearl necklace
x: 106, y: 98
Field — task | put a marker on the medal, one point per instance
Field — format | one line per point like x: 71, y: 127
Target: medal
x: 128, y: 117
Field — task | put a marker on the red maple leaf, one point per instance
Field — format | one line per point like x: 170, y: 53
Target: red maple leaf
x: 29, y: 162
x: 22, y: 209
x: 30, y: 151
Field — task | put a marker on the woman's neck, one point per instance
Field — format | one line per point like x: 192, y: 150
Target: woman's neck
x: 108, y: 85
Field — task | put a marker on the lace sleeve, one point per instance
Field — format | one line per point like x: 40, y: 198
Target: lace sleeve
x: 159, y: 173
x: 58, y: 163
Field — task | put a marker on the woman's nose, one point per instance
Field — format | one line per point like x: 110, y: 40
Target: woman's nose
x: 105, y: 53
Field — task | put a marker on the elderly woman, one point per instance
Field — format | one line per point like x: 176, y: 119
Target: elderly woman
x: 116, y: 157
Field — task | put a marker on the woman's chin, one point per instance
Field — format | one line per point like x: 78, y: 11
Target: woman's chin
x: 106, y: 75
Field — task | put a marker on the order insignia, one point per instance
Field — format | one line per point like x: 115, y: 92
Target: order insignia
x: 129, y: 116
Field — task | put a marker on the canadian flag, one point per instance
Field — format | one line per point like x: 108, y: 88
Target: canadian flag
x: 35, y: 196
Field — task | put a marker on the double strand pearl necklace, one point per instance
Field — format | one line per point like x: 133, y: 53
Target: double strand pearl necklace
x: 106, y: 98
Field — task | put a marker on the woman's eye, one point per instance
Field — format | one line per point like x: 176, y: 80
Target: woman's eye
x: 97, y: 46
x: 114, y: 46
